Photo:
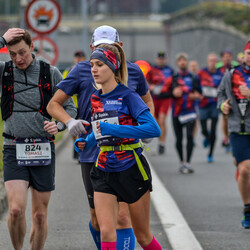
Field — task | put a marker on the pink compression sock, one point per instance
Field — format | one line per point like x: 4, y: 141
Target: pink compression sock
x: 108, y: 245
x: 154, y: 245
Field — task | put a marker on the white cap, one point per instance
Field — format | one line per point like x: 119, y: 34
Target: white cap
x: 105, y: 34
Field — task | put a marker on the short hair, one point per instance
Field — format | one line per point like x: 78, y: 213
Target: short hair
x: 26, y: 37
x: 212, y: 54
x: 181, y: 55
x: 161, y: 54
x: 226, y: 51
x: 79, y: 53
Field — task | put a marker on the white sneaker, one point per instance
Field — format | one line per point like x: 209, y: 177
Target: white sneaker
x: 185, y: 169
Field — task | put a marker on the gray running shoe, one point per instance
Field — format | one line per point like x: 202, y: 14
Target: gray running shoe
x: 161, y: 149
x: 186, y: 169
x: 188, y: 166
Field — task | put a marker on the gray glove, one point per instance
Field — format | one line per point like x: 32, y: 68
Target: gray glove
x: 76, y: 127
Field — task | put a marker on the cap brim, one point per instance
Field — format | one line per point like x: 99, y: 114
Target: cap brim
x: 107, y: 41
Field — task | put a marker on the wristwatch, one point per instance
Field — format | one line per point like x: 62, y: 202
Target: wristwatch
x: 60, y: 126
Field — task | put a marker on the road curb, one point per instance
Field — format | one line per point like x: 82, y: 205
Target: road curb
x: 3, y: 197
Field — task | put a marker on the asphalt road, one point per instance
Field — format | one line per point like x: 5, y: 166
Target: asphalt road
x: 209, y: 198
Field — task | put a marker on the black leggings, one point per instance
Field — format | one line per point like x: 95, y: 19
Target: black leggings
x: 178, y: 129
x: 211, y: 135
x: 86, y: 168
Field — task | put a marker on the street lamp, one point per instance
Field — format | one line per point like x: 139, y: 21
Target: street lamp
x: 23, y: 5
x: 85, y: 40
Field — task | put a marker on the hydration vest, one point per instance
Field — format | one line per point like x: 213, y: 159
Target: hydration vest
x: 8, y: 93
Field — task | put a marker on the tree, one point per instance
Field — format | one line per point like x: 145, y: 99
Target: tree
x: 170, y: 6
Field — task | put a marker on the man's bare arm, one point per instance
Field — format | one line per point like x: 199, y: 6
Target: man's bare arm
x: 55, y: 107
x: 149, y: 102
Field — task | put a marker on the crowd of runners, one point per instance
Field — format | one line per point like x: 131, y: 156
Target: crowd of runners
x: 191, y: 93
x: 119, y: 110
x: 199, y: 96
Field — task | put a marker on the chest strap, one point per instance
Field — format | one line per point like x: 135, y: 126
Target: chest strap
x: 127, y: 147
x: 7, y: 136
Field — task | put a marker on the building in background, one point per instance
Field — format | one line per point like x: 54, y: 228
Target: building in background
x: 143, y: 25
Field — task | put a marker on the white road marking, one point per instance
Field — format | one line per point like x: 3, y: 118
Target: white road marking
x: 174, y: 224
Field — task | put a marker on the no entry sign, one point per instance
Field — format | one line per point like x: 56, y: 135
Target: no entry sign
x: 45, y: 49
x: 43, y: 16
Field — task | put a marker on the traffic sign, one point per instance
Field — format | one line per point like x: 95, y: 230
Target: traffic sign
x: 43, y: 16
x: 45, y: 49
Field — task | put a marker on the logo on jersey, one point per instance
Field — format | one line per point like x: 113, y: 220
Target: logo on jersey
x: 101, y: 115
x: 217, y: 77
x: 114, y: 102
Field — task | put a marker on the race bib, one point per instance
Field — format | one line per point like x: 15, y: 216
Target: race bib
x: 110, y: 117
x: 33, y: 152
x: 187, y: 118
x: 210, y: 92
x: 242, y: 104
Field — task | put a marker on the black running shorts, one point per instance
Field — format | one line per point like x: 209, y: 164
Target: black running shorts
x: 127, y: 185
x: 41, y: 178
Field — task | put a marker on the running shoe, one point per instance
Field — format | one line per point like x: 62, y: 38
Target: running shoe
x: 210, y: 159
x: 206, y: 142
x: 186, y: 169
x: 161, y: 149
x: 188, y: 166
x: 181, y: 167
x: 246, y: 218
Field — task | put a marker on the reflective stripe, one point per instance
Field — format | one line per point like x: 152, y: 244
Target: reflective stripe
x: 127, y: 147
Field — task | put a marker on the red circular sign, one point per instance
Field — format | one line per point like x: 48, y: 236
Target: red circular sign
x: 45, y: 49
x: 43, y: 16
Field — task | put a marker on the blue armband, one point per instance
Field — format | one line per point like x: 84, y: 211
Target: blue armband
x: 147, y: 128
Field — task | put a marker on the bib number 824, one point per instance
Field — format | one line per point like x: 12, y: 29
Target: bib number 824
x: 32, y: 148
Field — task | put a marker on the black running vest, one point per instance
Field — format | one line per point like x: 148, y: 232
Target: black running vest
x: 8, y: 94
